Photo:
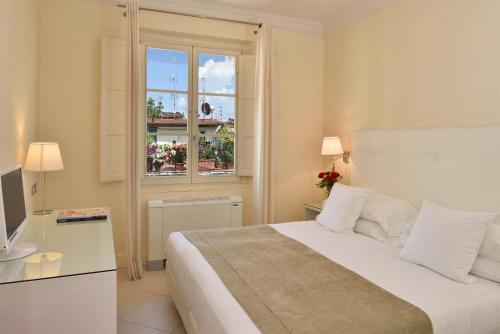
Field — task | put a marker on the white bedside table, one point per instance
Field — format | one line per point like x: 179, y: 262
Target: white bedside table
x: 312, y: 209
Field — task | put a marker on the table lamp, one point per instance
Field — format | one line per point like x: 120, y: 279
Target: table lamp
x: 333, y: 147
x: 43, y: 157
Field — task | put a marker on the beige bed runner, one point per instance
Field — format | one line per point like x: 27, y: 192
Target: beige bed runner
x: 286, y: 287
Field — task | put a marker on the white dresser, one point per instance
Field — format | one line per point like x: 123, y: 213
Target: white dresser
x: 67, y: 286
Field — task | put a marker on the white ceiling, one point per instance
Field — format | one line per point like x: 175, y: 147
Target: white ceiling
x: 307, y: 15
x: 307, y: 9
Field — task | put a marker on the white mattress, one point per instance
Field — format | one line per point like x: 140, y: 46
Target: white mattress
x: 453, y: 308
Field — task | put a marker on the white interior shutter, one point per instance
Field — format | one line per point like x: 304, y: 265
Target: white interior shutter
x: 246, y: 114
x: 113, y: 113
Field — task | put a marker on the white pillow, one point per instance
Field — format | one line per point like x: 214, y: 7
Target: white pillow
x: 445, y: 240
x: 370, y: 229
x: 342, y: 208
x: 374, y: 231
x: 393, y: 214
x: 405, y: 235
x: 490, y: 248
x: 486, y: 268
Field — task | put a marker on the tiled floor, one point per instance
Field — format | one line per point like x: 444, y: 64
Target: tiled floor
x: 144, y: 306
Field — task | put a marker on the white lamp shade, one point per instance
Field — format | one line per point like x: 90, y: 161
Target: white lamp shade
x: 331, y: 146
x: 43, y: 157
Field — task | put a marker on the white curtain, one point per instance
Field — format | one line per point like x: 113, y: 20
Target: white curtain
x: 264, y: 124
x: 133, y: 230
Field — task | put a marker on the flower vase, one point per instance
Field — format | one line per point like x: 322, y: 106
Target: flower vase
x: 329, y: 188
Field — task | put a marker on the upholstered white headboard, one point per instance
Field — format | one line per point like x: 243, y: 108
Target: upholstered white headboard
x: 454, y: 167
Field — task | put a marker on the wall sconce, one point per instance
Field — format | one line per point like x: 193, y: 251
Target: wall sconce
x: 333, y: 147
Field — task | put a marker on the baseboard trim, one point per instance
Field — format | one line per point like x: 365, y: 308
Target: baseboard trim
x: 121, y: 259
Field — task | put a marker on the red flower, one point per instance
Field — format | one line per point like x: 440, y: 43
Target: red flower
x: 327, y: 173
x: 335, y: 174
x: 321, y: 175
x: 330, y: 178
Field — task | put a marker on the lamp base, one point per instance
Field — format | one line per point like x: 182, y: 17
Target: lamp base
x: 43, y: 212
x: 21, y: 250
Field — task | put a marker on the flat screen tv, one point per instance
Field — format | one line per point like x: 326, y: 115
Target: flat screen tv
x: 12, y: 215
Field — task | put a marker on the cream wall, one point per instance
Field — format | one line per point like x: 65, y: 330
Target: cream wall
x: 414, y: 63
x: 69, y: 104
x: 71, y: 31
x: 299, y: 104
x: 19, y: 66
x: 162, y: 22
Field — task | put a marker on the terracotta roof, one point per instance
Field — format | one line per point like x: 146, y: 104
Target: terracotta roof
x: 172, y: 115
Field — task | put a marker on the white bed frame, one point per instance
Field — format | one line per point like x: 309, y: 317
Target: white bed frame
x: 181, y: 302
x: 454, y: 167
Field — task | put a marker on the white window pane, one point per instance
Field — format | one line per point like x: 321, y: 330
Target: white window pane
x: 167, y: 69
x: 216, y: 73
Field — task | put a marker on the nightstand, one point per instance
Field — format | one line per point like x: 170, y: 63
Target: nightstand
x: 312, y: 209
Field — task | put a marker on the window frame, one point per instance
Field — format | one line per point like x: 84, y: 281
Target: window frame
x: 193, y: 48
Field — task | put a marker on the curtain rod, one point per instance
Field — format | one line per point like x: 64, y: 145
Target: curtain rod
x: 197, y: 16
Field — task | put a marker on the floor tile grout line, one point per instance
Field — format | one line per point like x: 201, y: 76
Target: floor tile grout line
x: 144, y: 290
x: 176, y: 328
x: 158, y: 329
x: 140, y: 325
x: 156, y: 293
x: 137, y: 306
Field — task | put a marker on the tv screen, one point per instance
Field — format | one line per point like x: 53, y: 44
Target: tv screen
x: 13, y: 200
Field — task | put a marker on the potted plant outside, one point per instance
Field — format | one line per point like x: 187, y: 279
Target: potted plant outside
x: 179, y: 156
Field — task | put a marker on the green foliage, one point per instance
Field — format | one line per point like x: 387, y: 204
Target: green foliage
x: 221, y: 149
x: 226, y: 143
x: 150, y: 108
x: 153, y: 110
x: 150, y: 140
x: 159, y: 108
x: 208, y: 153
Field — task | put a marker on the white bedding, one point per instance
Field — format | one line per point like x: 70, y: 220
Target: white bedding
x: 453, y: 308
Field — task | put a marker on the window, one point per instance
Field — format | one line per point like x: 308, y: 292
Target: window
x: 191, y: 103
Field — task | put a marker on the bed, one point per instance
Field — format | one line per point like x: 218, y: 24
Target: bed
x: 388, y: 161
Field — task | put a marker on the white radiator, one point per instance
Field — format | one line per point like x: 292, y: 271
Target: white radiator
x: 172, y: 215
